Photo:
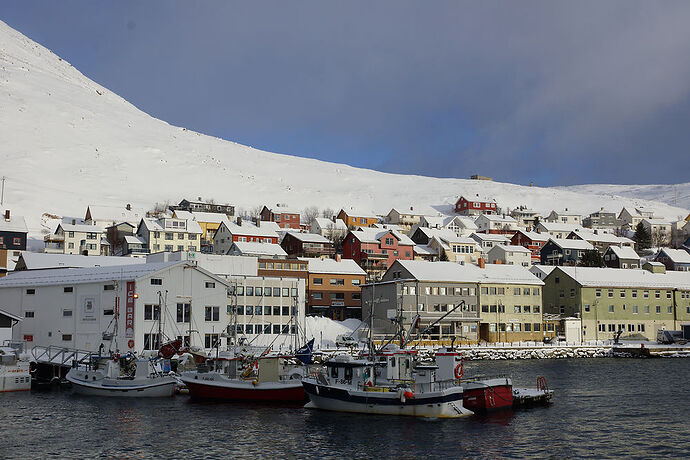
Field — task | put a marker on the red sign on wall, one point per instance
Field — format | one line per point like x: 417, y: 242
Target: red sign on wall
x: 129, y: 310
x: 28, y: 338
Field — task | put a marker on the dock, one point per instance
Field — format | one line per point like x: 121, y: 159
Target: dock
x: 49, y: 365
x: 531, y: 397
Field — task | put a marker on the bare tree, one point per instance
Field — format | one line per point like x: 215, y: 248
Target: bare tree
x: 659, y: 238
x: 337, y: 236
x: 309, y: 214
x: 328, y: 213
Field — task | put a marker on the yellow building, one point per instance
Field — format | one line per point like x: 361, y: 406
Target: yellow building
x: 209, y: 222
x: 356, y: 220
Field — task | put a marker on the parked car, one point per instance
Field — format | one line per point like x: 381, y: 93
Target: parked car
x: 344, y: 340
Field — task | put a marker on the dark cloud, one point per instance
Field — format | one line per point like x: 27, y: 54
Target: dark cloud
x: 551, y: 92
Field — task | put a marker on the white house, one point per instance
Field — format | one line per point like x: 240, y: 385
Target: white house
x: 74, y: 238
x: 509, y: 255
x: 487, y: 241
x: 496, y: 223
x: 558, y: 230
x: 105, y: 216
x: 241, y: 248
x: 462, y: 226
x: 229, y: 232
x: 525, y: 217
x: 456, y: 248
x: 630, y: 218
x: 73, y: 307
x: 328, y: 228
x: 564, y: 217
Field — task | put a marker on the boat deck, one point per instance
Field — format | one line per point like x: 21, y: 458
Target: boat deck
x: 531, y: 397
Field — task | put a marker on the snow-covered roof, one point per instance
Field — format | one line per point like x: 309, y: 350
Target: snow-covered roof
x: 510, y: 248
x: 15, y: 224
x: 535, y: 236
x: 283, y: 210
x: 134, y: 239
x: 444, y: 234
x: 115, y: 213
x: 158, y: 225
x: 543, y: 269
x: 374, y: 235
x: 490, y: 237
x: 268, y: 225
x: 344, y: 267
x: 309, y: 237
x: 10, y: 315
x: 209, y: 217
x: 253, y: 248
x: 624, y: 252
x: 478, y: 198
x: 658, y: 221
x: 395, y: 227
x: 42, y: 261
x: 600, y: 237
x: 58, y: 276
x: 326, y: 224
x: 425, y: 250
x: 250, y: 229
x: 453, y: 272
x: 86, y: 228
x: 564, y: 243
x: 560, y: 227
x: 627, y: 278
x: 358, y: 213
x: 677, y: 256
x: 497, y: 218
x: 182, y: 214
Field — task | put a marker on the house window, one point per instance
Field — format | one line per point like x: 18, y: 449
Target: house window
x: 70, y: 234
x: 586, y: 307
x: 28, y: 314
x: 151, y: 341
x: 286, y: 292
x: 267, y: 292
x: 180, y: 236
x: 151, y: 312
x: 658, y: 309
x: 276, y: 292
x: 169, y: 236
x: 611, y: 308
x: 108, y: 312
x: 30, y: 291
x: 68, y: 289
x: 66, y: 337
x: 211, y: 340
x: 622, y: 293
x: 210, y: 284
x: 317, y: 295
x: 157, y: 281
x: 635, y: 309
x: 610, y: 292
x: 183, y: 312
x: 598, y: 293
x: 212, y: 313
x: 108, y: 287
x: 356, y: 282
x: 517, y: 309
x: 518, y: 291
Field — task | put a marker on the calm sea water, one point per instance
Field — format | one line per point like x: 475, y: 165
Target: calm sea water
x: 603, y: 408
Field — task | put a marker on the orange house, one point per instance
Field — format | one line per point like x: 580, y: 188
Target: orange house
x: 352, y: 220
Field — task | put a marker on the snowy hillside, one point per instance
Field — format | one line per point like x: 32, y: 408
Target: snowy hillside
x: 673, y: 194
x: 67, y: 142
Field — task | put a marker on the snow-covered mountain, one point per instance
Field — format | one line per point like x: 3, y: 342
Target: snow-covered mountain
x: 672, y: 194
x: 66, y: 142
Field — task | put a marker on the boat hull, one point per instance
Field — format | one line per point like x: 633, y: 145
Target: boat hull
x: 159, y: 388
x: 290, y: 391
x: 488, y: 395
x: 15, y: 378
x: 443, y: 404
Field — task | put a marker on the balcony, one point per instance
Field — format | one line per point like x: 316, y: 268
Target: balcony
x: 374, y: 256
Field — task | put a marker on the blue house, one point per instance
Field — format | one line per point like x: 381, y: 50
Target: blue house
x: 674, y: 259
x: 558, y: 251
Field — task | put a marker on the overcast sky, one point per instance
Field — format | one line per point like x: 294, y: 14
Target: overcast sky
x: 552, y: 92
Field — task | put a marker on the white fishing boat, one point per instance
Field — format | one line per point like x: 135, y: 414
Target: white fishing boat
x: 14, y: 373
x: 396, y: 382
x: 124, y: 376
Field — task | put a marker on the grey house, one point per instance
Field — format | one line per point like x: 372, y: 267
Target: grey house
x: 602, y: 219
x: 621, y: 257
x: 430, y: 289
x: 564, y: 251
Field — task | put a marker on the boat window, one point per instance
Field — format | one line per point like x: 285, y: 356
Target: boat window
x: 334, y: 372
x: 348, y: 373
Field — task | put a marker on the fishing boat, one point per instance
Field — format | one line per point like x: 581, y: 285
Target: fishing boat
x: 125, y: 376
x: 14, y: 373
x: 394, y: 382
x: 240, y: 377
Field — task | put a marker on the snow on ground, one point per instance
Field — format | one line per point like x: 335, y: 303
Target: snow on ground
x: 72, y: 143
x: 326, y: 330
x: 672, y: 194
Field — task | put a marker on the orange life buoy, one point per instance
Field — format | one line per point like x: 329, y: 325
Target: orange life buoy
x: 459, y: 371
x: 130, y: 344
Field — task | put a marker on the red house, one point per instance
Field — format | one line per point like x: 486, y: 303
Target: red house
x: 532, y: 241
x: 475, y: 205
x: 375, y: 250
x: 284, y: 217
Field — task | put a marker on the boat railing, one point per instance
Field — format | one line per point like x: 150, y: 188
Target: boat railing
x: 60, y: 356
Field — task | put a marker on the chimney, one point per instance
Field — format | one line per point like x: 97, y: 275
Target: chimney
x: 7, y: 215
x: 128, y: 207
x: 411, y: 208
x: 482, y: 262
x: 239, y: 220
x: 338, y: 258
x: 198, y: 199
x: 74, y: 221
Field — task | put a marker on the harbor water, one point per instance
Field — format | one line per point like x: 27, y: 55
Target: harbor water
x: 602, y: 408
